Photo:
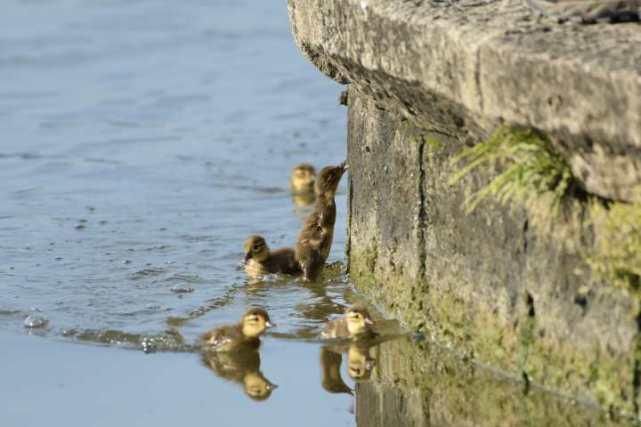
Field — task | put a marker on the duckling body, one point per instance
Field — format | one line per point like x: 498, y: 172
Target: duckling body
x: 356, y: 324
x: 260, y: 260
x: 315, y: 238
x: 245, y: 335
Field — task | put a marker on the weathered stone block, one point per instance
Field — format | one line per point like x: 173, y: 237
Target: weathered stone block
x: 485, y: 282
x: 474, y: 64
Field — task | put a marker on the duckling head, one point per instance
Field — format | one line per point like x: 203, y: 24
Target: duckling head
x: 303, y: 178
x: 328, y: 179
x: 256, y: 248
x: 255, y: 322
x: 256, y: 386
x: 358, y: 320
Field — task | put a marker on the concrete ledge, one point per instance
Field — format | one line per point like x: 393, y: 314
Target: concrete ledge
x: 473, y: 64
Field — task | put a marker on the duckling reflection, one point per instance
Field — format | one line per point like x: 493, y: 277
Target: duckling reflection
x: 355, y: 324
x: 360, y: 364
x: 260, y: 260
x: 359, y: 361
x: 242, y: 367
x: 315, y: 238
x: 331, y: 380
x: 242, y: 336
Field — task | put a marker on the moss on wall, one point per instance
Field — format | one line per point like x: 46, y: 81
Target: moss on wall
x: 533, y: 175
x: 493, y: 282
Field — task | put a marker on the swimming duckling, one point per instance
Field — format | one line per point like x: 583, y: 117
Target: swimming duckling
x: 315, y: 238
x: 259, y: 260
x: 302, y: 179
x: 244, y: 335
x: 356, y: 324
x: 242, y: 367
x: 301, y: 183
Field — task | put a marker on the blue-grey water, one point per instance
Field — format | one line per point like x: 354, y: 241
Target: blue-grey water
x: 140, y: 142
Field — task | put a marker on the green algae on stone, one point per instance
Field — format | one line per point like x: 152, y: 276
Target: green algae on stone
x: 617, y: 253
x: 425, y: 383
x: 535, y: 176
x: 532, y: 175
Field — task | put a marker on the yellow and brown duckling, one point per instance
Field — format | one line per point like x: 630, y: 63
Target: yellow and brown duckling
x: 302, y: 179
x: 242, y: 336
x: 356, y: 324
x: 242, y: 367
x: 301, y: 184
x: 315, y: 238
x: 260, y: 260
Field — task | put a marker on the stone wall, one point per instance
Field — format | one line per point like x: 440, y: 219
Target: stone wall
x: 484, y: 282
x: 427, y: 79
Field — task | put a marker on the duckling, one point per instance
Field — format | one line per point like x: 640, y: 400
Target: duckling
x: 244, y: 335
x: 315, y: 238
x: 242, y: 367
x: 356, y: 324
x: 302, y: 179
x: 301, y: 183
x: 259, y: 260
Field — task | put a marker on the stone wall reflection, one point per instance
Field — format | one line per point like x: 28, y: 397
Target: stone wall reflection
x: 425, y: 385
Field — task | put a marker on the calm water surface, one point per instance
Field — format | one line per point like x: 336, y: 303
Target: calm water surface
x: 140, y: 143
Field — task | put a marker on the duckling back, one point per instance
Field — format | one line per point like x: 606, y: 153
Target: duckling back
x: 315, y: 239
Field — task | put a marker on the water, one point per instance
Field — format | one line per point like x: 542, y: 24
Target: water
x: 141, y: 141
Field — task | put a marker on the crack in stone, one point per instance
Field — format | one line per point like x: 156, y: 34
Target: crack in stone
x: 636, y: 376
x: 477, y: 78
x: 422, y: 212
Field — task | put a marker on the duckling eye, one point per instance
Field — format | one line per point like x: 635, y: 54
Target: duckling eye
x: 256, y: 247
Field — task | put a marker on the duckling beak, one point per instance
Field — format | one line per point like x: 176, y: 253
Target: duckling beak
x: 369, y: 321
x: 269, y: 324
x: 248, y: 256
x: 344, y: 166
x: 272, y: 386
